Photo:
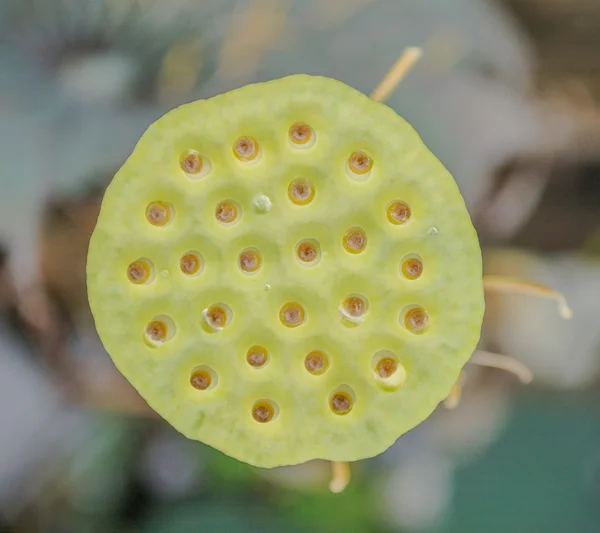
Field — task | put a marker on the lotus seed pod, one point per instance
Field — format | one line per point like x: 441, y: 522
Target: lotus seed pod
x: 325, y: 326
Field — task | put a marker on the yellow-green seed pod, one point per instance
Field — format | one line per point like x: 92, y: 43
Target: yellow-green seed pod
x: 285, y: 272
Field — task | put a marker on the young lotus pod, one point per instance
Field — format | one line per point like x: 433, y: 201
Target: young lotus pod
x: 306, y: 284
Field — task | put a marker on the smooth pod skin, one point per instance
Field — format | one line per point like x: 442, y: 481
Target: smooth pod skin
x: 356, y: 306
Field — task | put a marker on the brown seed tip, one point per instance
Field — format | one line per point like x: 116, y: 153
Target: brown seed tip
x: 191, y: 162
x: 250, y: 261
x: 354, y: 307
x: 138, y: 272
x: 360, y: 163
x: 340, y: 403
x: 301, y: 192
x: 246, y: 149
x: 307, y: 251
x: 156, y: 330
x: 190, y: 264
x: 316, y: 362
x: 412, y: 268
x: 291, y: 314
x: 227, y: 212
x: 263, y: 411
x: 300, y: 133
x: 355, y: 240
x: 398, y: 213
x: 159, y: 213
x: 216, y: 317
x: 201, y: 379
x: 416, y: 319
x: 257, y: 356
x: 386, y: 367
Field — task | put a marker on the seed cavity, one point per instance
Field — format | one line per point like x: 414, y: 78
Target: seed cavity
x: 355, y: 240
x: 415, y: 319
x: 246, y: 149
x: 412, y: 267
x: 191, y: 263
x: 301, y: 192
x: 159, y: 213
x: 354, y: 308
x: 140, y: 272
x: 265, y: 411
x: 398, y: 212
x: 203, y: 378
x: 159, y: 330
x: 292, y: 314
x: 359, y: 165
x: 227, y: 212
x: 194, y: 164
x: 388, y: 373
x: 342, y: 400
x: 316, y: 362
x: 250, y: 261
x: 257, y: 356
x: 308, y: 251
x: 301, y: 135
x: 216, y: 317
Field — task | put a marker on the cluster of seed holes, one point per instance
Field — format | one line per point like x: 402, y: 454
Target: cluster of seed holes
x: 257, y: 356
x: 292, y: 314
x: 301, y: 192
x: 159, y: 213
x: 250, y: 261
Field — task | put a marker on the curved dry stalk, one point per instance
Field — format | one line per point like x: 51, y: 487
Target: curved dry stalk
x: 340, y: 476
x: 503, y: 362
x: 507, y: 285
x: 396, y: 74
x: 453, y: 399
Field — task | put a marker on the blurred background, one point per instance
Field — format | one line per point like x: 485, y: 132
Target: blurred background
x: 507, y: 95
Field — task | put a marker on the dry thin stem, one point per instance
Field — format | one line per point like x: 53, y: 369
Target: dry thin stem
x: 453, y: 399
x: 396, y: 74
x: 503, y: 362
x: 340, y: 476
x: 506, y: 285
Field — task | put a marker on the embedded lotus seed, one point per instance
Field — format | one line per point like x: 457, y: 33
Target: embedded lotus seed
x: 291, y: 314
x: 246, y: 149
x: 159, y: 213
x: 307, y: 251
x: 191, y: 162
x: 386, y: 367
x: 190, y: 264
x: 201, y: 379
x: 301, y: 192
x: 250, y: 261
x: 257, y: 356
x: 316, y: 362
x: 360, y: 163
x: 216, y: 316
x: 355, y: 240
x: 139, y: 272
x: 398, y: 213
x: 227, y: 212
x: 412, y: 267
x: 353, y: 307
x: 156, y: 331
x: 416, y: 319
x: 340, y: 403
x: 301, y: 135
x: 263, y: 411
